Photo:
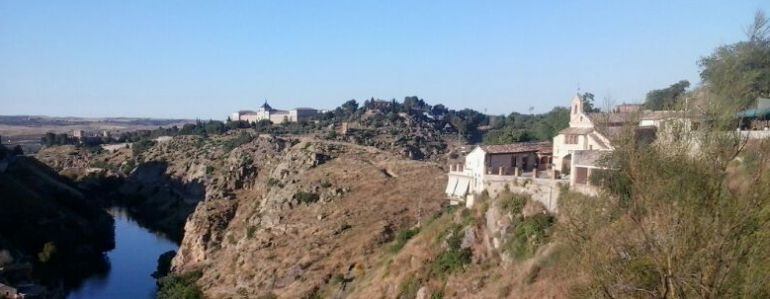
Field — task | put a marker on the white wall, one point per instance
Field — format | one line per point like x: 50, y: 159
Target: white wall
x: 475, y: 166
x: 545, y: 191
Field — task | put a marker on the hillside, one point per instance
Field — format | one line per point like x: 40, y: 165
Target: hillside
x: 315, y: 211
x: 47, y: 224
x: 302, y: 216
x: 306, y: 216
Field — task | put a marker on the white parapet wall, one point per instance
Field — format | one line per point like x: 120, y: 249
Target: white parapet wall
x: 464, y: 187
x: 756, y: 134
x: 544, y: 191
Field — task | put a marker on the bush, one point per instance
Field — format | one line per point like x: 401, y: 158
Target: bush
x: 402, y: 238
x: 48, y: 252
x: 250, y: 231
x: 241, y: 139
x: 274, y: 182
x: 176, y: 286
x: 454, y: 257
x: 128, y: 167
x: 139, y: 147
x: 513, y: 202
x: 306, y: 197
x: 451, y: 260
x: 164, y: 264
x: 528, y: 235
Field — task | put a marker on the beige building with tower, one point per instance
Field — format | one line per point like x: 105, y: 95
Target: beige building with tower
x: 578, y: 149
x: 540, y: 169
x: 276, y: 116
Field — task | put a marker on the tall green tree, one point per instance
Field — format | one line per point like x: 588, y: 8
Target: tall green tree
x: 740, y: 72
x: 666, y: 98
x: 589, y: 102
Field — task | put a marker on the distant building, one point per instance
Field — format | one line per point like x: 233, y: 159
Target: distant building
x: 81, y: 134
x: 628, y: 108
x: 497, y: 162
x: 519, y: 167
x: 755, y: 122
x: 276, y: 116
x: 84, y: 136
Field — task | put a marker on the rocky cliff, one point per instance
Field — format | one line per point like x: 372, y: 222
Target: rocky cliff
x: 314, y: 212
x: 47, y: 225
x: 302, y: 217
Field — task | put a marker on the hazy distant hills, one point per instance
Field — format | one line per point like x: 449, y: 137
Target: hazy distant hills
x: 42, y: 120
x: 19, y: 125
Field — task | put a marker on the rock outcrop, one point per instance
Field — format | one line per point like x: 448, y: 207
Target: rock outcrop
x: 315, y: 217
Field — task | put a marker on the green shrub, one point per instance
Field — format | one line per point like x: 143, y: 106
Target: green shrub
x: 128, y: 167
x: 45, y: 255
x: 139, y: 147
x: 241, y: 139
x: 338, y: 279
x: 306, y: 197
x: 451, y: 260
x: 454, y: 257
x: 250, y: 231
x: 529, y: 234
x: 402, y: 238
x: 513, y: 202
x: 164, y: 264
x: 179, y: 286
x: 274, y: 182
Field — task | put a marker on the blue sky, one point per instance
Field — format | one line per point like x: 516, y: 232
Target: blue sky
x: 205, y: 59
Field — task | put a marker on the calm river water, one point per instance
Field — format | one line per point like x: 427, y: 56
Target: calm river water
x: 132, y: 261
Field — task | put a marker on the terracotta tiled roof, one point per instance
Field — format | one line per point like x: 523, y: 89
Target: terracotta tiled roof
x: 616, y: 132
x: 625, y: 117
x: 521, y: 147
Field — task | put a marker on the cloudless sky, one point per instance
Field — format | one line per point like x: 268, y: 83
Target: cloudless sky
x: 205, y: 59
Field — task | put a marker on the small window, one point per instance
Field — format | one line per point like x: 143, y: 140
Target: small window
x: 571, y: 139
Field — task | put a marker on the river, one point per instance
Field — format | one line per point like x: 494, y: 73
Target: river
x: 132, y: 262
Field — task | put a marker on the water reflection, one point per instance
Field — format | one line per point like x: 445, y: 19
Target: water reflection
x: 130, y: 263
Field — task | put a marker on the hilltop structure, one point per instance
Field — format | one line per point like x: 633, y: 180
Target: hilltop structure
x: 276, y: 116
x: 578, y: 148
x: 491, y: 167
x: 538, y: 168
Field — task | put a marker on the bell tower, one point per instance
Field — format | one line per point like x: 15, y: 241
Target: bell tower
x: 577, y: 117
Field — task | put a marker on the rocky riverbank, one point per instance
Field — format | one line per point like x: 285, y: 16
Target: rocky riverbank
x: 48, y: 227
